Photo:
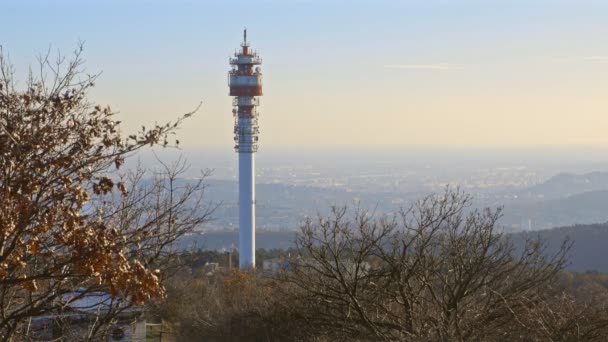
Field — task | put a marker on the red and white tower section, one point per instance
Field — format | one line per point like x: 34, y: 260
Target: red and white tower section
x: 245, y: 81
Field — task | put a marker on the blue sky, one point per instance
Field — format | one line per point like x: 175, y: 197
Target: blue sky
x: 342, y: 72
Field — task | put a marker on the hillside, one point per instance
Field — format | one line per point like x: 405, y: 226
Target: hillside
x: 583, y: 208
x: 567, y: 184
x: 590, y: 249
x: 589, y: 252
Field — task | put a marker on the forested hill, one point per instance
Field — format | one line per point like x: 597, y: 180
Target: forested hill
x: 568, y: 184
x: 584, y: 208
x: 563, y: 200
x: 590, y: 249
x: 589, y: 252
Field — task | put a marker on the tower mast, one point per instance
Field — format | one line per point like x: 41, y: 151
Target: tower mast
x: 245, y: 81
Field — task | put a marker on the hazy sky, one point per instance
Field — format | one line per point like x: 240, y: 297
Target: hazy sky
x: 512, y: 72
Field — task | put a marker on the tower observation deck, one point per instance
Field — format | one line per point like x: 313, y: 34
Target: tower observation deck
x: 245, y: 82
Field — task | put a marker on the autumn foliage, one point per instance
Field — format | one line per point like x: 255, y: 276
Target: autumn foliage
x: 67, y: 218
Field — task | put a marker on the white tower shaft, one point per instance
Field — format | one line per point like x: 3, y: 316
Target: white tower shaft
x: 246, y: 210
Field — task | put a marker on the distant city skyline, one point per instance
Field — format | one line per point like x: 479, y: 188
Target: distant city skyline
x: 475, y: 73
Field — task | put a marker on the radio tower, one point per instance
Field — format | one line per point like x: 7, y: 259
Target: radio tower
x: 245, y: 81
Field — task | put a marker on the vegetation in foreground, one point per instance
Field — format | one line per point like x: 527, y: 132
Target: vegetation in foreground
x: 72, y: 223
x: 432, y: 273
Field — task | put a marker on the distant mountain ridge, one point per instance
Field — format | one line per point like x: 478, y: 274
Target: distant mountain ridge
x: 582, y: 208
x: 563, y: 200
x: 589, y: 251
x: 568, y: 184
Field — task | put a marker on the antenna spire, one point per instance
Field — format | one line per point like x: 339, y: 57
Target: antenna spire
x: 245, y: 35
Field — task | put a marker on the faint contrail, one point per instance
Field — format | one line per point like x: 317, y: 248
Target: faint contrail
x: 434, y: 66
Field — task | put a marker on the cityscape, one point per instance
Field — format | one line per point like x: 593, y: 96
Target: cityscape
x: 374, y: 180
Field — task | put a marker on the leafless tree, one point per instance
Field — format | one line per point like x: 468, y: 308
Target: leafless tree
x: 237, y: 305
x: 67, y: 219
x: 438, y: 271
x: 559, y: 316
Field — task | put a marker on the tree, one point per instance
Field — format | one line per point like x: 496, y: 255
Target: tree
x: 68, y: 219
x: 438, y: 271
x: 228, y: 306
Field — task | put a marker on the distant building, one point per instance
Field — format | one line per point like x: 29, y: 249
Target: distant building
x: 526, y: 224
x: 274, y: 266
x: 81, y: 311
x: 211, y: 267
